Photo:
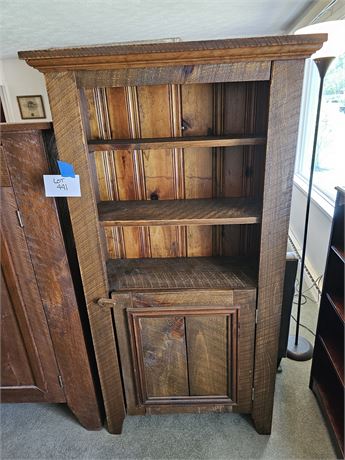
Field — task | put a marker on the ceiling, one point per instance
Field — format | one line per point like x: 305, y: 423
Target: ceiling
x: 37, y: 24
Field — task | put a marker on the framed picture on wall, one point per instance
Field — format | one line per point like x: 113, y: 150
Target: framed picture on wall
x: 31, y: 107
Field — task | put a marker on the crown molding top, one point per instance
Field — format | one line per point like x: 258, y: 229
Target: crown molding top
x: 104, y: 57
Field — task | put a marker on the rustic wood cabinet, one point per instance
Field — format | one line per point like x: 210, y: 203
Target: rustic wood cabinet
x: 43, y: 350
x: 185, y: 153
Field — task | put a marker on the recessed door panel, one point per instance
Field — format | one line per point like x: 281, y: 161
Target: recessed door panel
x: 162, y: 355
x: 184, y: 357
x: 184, y: 350
x: 209, y: 355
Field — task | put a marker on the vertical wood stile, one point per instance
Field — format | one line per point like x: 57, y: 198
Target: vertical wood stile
x: 285, y: 96
x: 70, y: 137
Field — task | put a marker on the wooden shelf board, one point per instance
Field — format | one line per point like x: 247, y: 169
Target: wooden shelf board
x: 339, y: 253
x: 332, y: 351
x: 222, y: 211
x: 175, y: 142
x: 182, y: 273
x: 337, y: 304
x: 331, y: 411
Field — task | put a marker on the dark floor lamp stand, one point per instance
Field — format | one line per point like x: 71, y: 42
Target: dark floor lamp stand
x: 299, y: 348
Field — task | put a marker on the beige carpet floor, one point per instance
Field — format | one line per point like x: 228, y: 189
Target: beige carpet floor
x: 46, y: 431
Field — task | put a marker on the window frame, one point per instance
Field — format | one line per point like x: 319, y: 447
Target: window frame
x: 306, y: 132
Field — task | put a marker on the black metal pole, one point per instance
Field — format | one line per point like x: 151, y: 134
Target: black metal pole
x: 304, y: 351
x: 307, y: 212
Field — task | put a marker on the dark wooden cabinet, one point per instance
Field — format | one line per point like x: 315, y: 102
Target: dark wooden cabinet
x: 327, y: 373
x: 43, y: 349
x: 185, y: 153
x: 29, y: 371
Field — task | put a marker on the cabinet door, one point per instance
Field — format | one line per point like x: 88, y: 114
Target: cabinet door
x: 187, y: 350
x: 28, y: 366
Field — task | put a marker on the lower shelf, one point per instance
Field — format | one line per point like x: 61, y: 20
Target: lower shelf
x: 333, y: 412
x: 182, y: 273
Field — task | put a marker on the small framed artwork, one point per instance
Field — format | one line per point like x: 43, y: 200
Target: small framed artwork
x: 31, y: 107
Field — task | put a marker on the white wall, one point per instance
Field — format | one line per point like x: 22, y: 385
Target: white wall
x: 19, y: 79
x: 319, y: 229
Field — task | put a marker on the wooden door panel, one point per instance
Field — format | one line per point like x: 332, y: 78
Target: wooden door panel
x: 15, y: 366
x: 184, y: 348
x: 28, y: 322
x: 162, y: 352
x: 163, y: 356
x: 209, y: 349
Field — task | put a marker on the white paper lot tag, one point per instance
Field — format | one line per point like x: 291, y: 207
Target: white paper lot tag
x: 56, y: 185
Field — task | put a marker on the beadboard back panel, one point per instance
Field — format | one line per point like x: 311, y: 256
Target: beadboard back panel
x: 178, y: 111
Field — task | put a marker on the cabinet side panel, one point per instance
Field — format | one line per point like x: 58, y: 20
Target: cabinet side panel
x: 285, y: 97
x: 65, y: 105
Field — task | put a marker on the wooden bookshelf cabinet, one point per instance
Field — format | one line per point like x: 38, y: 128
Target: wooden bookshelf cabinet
x: 327, y: 373
x: 185, y: 153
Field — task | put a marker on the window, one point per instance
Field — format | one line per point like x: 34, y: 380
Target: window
x: 330, y: 150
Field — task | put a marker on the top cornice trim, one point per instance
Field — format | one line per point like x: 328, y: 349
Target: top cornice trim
x: 103, y: 57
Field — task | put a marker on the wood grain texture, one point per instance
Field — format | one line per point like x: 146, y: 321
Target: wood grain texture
x: 28, y: 311
x: 242, y: 168
x: 286, y: 87
x: 176, y: 53
x: 209, y: 355
x: 208, y: 73
x: 177, y: 142
x: 15, y: 365
x: 24, y: 127
x: 208, y: 106
x: 163, y: 353
x: 5, y: 180
x: 26, y: 157
x: 327, y: 370
x: 197, y: 119
x: 196, y: 308
x: 114, y: 173
x: 181, y: 273
x: 179, y: 212
x: 155, y: 121
x: 119, y: 307
x: 246, y: 347
x: 167, y: 326
x: 65, y: 106
x: 178, y: 173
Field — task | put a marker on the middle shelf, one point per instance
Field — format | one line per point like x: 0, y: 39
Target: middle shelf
x: 182, y: 273
x: 175, y: 142
x: 219, y: 211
